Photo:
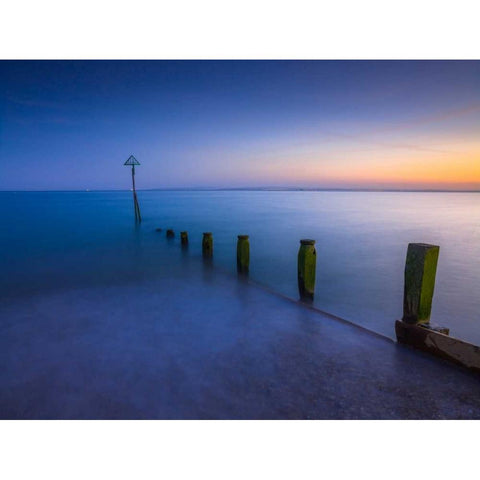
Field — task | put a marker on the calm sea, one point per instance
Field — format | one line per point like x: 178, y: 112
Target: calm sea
x: 64, y: 240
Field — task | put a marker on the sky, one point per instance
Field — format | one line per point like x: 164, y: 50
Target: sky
x: 70, y: 125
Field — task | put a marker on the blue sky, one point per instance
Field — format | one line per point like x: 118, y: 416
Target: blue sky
x: 340, y: 124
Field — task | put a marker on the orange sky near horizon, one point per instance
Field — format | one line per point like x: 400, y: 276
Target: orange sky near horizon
x: 454, y: 170
x: 440, y: 155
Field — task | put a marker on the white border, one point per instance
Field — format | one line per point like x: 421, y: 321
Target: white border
x: 253, y: 29
x: 238, y: 450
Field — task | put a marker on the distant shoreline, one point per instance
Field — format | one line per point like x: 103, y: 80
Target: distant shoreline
x: 251, y: 189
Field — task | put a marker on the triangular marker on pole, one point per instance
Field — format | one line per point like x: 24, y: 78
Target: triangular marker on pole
x: 133, y: 161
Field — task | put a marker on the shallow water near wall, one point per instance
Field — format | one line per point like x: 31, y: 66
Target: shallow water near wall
x: 65, y: 240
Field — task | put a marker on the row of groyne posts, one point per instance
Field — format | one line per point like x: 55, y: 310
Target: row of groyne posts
x: 414, y: 329
x: 307, y: 259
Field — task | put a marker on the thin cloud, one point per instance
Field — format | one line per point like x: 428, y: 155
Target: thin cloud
x: 404, y: 146
x: 363, y: 138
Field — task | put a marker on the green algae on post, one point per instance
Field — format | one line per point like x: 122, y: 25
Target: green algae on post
x: 307, y: 261
x: 184, y: 238
x: 243, y: 254
x: 207, y: 244
x: 420, y: 271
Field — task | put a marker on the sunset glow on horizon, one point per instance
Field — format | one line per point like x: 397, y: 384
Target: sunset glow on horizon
x: 324, y: 124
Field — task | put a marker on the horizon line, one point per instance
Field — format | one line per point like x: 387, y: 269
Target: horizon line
x: 253, y: 189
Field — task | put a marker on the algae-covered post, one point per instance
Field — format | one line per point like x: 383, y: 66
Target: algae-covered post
x: 184, y: 238
x: 307, y: 261
x: 133, y: 161
x: 420, y: 271
x: 243, y: 254
x: 207, y: 245
x: 415, y: 328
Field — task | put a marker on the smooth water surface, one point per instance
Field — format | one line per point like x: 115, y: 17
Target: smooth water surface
x: 64, y: 240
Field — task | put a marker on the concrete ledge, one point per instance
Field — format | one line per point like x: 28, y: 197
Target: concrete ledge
x: 438, y: 344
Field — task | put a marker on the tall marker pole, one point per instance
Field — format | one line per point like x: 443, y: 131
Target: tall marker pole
x: 133, y: 161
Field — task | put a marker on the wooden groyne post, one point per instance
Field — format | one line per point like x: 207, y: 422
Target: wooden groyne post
x: 170, y: 233
x: 207, y: 245
x: 243, y: 254
x: 420, y: 272
x: 415, y: 328
x: 307, y: 263
x: 184, y: 239
x: 133, y: 161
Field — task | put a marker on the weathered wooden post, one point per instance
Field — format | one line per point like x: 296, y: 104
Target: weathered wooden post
x: 170, y: 233
x: 207, y: 244
x: 415, y: 328
x: 420, y: 271
x: 184, y: 238
x: 307, y: 261
x: 243, y: 254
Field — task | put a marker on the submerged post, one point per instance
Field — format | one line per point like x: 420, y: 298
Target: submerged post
x: 243, y: 254
x: 170, y: 233
x: 184, y: 238
x: 420, y: 271
x: 207, y: 244
x: 307, y: 261
x: 133, y: 161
